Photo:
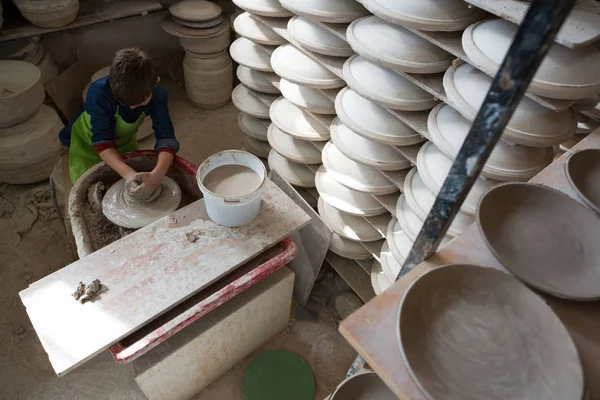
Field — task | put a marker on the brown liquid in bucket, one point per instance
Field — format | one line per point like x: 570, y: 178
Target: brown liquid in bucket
x: 232, y: 180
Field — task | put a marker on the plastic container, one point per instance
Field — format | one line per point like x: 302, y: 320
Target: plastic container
x: 236, y: 210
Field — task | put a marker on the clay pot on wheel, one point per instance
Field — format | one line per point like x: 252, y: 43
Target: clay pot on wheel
x: 208, y: 79
x: 49, y: 13
x: 21, y: 91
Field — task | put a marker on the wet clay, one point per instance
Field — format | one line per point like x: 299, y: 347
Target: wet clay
x: 232, y: 180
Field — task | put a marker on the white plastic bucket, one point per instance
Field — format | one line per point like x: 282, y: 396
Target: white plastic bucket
x: 238, y: 210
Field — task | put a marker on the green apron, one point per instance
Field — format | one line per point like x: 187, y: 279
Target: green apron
x: 83, y: 156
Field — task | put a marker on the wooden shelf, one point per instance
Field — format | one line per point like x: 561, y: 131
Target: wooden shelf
x: 388, y: 201
x: 353, y: 274
x: 15, y: 26
x: 371, y: 330
x: 581, y: 28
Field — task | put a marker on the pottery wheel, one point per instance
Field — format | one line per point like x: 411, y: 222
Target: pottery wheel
x: 470, y: 333
x: 543, y: 236
x: 129, y: 215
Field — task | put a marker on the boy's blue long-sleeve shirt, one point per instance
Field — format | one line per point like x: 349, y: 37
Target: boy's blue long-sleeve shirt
x: 101, y: 105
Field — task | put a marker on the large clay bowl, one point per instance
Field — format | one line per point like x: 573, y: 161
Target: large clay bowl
x: 21, y: 91
x: 583, y: 172
x: 470, y: 333
x: 363, y: 386
x: 544, y: 237
x: 49, y: 13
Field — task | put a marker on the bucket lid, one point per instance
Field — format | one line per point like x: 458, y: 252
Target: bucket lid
x: 248, y: 26
x: 426, y: 15
x: 300, y: 151
x: 295, y: 173
x: 293, y: 65
x: 346, y: 225
x: 448, y: 130
x: 372, y: 121
x: 531, y: 124
x: 297, y: 123
x: 563, y: 74
x: 344, y: 198
x: 393, y: 46
x: 314, y: 37
x: 336, y: 11
x: 308, y: 99
x: 250, y: 54
x: 385, y: 87
x: 366, y: 151
x: 354, y: 175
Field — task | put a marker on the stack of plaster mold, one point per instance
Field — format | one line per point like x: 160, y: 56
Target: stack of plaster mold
x: 204, y: 34
x: 48, y: 13
x: 29, y: 146
x: 259, y: 86
x: 352, y: 162
x: 30, y: 50
x: 542, y: 120
x: 144, y: 132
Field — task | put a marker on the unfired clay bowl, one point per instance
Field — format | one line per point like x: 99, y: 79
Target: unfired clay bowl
x: 426, y: 15
x: 363, y: 386
x: 385, y: 87
x: 254, y: 103
x: 293, y: 65
x: 247, y: 25
x: 347, y: 225
x: 348, y: 248
x: 295, y: 173
x: 49, y: 13
x: 544, y: 237
x: 583, y: 171
x: 195, y: 10
x: 379, y: 281
x: 254, y: 127
x: 393, y: 46
x: 297, y: 123
x: 251, y: 55
x: 314, y: 37
x: 354, y: 175
x: 470, y: 333
x: 372, y: 121
x: 265, y: 8
x: 448, y: 130
x: 530, y: 125
x: 255, y: 79
x: 309, y: 99
x: 300, y: 151
x: 21, y: 91
x: 336, y: 11
x: 563, y: 74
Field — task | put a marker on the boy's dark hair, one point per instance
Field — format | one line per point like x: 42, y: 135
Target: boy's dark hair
x: 132, y: 76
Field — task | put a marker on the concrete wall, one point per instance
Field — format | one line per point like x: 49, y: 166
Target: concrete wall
x: 96, y: 44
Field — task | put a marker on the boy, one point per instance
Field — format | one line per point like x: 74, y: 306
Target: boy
x: 114, y: 109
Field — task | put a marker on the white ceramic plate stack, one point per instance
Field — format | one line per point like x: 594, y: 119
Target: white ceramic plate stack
x: 205, y: 36
x: 257, y: 90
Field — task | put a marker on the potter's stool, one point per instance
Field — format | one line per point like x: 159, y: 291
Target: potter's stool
x: 223, y: 324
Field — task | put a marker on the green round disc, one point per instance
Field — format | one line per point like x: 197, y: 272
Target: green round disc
x: 277, y: 375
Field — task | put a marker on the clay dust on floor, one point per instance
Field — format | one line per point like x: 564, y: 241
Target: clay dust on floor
x: 25, y: 372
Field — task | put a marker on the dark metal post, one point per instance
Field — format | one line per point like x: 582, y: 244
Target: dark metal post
x: 534, y: 37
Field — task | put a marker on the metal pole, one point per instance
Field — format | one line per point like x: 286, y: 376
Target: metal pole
x: 534, y: 37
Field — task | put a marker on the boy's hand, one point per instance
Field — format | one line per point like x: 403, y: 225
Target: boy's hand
x: 151, y: 180
x: 141, y: 187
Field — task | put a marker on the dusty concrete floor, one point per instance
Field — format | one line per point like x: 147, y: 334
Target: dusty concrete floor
x: 25, y: 372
